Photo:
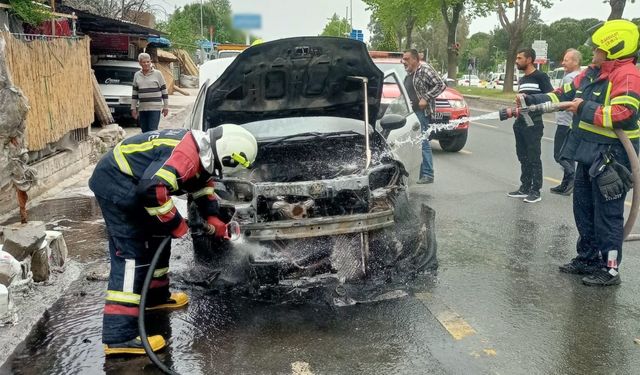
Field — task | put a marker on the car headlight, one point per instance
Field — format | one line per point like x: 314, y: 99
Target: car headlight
x: 457, y: 104
x: 125, y: 100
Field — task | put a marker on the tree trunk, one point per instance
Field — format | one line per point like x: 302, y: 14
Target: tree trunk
x: 617, y: 8
x: 452, y: 57
x: 399, y: 36
x: 409, y: 27
x: 514, y: 44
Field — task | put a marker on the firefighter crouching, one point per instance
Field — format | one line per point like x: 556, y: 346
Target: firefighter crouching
x: 133, y: 185
x: 604, y: 97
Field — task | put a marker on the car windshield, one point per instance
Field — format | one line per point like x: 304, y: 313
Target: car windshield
x: 398, y: 67
x: 113, y: 75
x: 226, y: 54
x: 287, y: 127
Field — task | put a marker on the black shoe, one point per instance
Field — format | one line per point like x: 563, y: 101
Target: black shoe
x: 533, y: 197
x: 565, y: 188
x: 602, y: 277
x: 518, y: 194
x: 425, y: 180
x: 578, y: 267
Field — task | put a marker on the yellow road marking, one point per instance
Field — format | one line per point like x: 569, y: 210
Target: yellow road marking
x: 301, y: 368
x: 455, y: 325
x: 465, y: 152
x: 449, y: 319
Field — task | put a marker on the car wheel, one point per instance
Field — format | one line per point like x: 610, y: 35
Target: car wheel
x: 455, y: 143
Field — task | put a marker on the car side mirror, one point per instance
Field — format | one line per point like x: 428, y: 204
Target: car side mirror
x: 392, y: 121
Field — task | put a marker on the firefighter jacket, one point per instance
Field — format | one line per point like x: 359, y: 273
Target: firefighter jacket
x: 142, y: 173
x: 611, y: 97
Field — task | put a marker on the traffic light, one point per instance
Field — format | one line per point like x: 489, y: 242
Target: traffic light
x: 456, y: 48
x: 511, y: 3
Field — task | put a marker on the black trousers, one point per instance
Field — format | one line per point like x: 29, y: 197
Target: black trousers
x: 528, y: 140
x: 568, y: 166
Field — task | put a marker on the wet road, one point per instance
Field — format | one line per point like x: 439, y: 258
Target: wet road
x: 498, y: 306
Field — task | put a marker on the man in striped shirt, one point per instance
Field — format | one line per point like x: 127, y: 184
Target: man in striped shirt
x: 529, y: 138
x: 150, y: 96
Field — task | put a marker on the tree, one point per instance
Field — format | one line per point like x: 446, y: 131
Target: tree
x: 337, y: 27
x: 478, y: 47
x: 617, y: 8
x: 112, y: 8
x: 183, y: 26
x: 516, y: 28
x: 400, y: 17
x: 381, y: 40
x: 433, y: 37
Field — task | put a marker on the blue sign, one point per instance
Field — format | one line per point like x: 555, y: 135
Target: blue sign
x: 205, y: 44
x: 357, y: 35
x: 247, y: 21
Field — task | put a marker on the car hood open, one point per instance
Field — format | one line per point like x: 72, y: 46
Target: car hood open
x: 302, y: 76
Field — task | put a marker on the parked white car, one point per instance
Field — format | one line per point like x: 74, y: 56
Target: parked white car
x: 497, y: 82
x: 115, y: 78
x: 469, y: 80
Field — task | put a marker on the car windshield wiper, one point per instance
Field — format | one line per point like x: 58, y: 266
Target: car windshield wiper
x: 309, y: 134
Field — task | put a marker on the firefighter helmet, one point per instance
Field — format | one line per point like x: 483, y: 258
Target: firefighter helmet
x: 226, y: 146
x: 256, y: 42
x: 618, y: 38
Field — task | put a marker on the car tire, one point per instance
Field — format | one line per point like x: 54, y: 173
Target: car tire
x: 454, y: 143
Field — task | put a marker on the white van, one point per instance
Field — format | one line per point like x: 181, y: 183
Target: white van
x: 115, y: 78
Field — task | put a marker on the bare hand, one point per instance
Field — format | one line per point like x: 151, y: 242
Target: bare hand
x: 422, y: 104
x: 134, y: 114
x: 165, y: 112
x: 574, y: 105
x: 520, y: 102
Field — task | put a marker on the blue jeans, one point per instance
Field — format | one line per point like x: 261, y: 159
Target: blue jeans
x: 149, y: 120
x: 426, y: 168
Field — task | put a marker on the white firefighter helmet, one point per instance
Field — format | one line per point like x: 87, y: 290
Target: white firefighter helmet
x: 226, y: 146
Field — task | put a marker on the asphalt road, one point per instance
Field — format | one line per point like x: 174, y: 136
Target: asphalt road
x: 499, y: 259
x: 497, y: 306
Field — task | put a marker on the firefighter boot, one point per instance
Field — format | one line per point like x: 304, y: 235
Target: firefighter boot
x: 177, y: 299
x: 134, y: 346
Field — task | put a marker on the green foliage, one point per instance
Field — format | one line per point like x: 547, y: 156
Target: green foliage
x: 183, y: 26
x: 30, y: 12
x: 337, y: 27
x: 400, y: 17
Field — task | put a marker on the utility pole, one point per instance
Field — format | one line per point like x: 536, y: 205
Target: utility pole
x: 351, y: 17
x: 201, y: 24
x: 122, y: 14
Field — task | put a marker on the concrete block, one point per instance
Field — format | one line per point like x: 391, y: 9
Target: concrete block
x: 21, y: 240
x: 6, y: 305
x: 9, y: 268
x: 58, y: 246
x: 111, y: 134
x: 40, y: 264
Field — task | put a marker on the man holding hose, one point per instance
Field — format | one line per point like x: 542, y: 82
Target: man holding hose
x: 604, y: 97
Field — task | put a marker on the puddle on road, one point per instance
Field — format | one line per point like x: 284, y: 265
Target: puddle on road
x: 80, y: 221
x: 226, y: 335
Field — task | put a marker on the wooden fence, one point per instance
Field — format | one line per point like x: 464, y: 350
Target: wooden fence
x: 55, y: 76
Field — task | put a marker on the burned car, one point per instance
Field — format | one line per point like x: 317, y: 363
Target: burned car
x: 326, y: 201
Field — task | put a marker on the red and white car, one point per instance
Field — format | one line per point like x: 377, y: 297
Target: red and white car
x: 450, y: 105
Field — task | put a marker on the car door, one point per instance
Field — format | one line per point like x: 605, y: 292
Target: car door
x: 194, y: 120
x: 405, y: 141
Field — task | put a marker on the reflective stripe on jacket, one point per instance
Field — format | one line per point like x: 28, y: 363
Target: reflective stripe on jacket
x: 611, y: 97
x: 145, y: 170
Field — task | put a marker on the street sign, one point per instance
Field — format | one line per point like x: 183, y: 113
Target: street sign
x: 247, y: 21
x: 357, y: 35
x: 540, y: 46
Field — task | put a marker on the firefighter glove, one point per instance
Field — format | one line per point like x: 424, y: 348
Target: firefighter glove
x: 610, y: 183
x: 216, y: 227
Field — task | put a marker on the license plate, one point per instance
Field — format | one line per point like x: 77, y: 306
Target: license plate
x: 440, y: 118
x: 113, y: 110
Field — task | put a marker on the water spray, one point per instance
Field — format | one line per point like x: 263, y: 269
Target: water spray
x: 550, y: 107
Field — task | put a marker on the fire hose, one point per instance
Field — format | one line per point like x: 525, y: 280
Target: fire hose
x: 233, y: 232
x: 550, y: 107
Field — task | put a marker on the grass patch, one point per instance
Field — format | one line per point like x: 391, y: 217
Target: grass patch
x: 484, y: 92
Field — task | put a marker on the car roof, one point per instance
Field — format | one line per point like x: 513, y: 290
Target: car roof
x: 118, y: 63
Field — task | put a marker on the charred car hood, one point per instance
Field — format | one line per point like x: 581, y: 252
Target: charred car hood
x: 303, y: 76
